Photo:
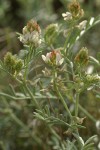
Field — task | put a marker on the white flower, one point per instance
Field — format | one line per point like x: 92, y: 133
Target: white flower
x: 82, y: 32
x: 53, y: 58
x: 98, y: 124
x: 47, y: 57
x: 59, y: 59
x: 82, y: 25
x: 31, y: 37
x: 25, y: 30
x: 31, y: 34
x: 90, y: 69
x: 67, y: 16
x: 91, y: 21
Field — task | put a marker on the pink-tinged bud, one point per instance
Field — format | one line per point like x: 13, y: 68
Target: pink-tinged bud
x: 53, y: 58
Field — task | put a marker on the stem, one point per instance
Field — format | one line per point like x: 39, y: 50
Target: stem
x: 63, y: 102
x: 66, y: 42
x: 28, y: 61
x: 87, y: 113
x: 12, y: 115
x: 13, y: 97
x: 31, y: 95
x: 59, y: 94
x: 54, y: 133
x: 51, y: 106
x: 76, y: 104
x: 68, y: 37
x: 26, y: 69
x: 26, y: 128
x: 18, y: 121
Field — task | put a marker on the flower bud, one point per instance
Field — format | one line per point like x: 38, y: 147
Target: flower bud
x: 82, y: 57
x: 19, y: 65
x: 51, y: 33
x: 75, y: 10
x: 33, y: 26
x: 13, y: 64
x: 9, y: 62
x: 78, y: 120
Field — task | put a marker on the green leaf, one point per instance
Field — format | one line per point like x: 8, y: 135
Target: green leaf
x: 91, y: 23
x: 39, y: 116
x: 47, y: 110
x: 88, y: 146
x: 70, y: 146
x: 79, y: 139
x: 90, y: 139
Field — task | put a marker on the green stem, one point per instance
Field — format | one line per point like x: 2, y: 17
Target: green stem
x: 30, y: 54
x: 63, y: 102
x: 87, y: 113
x: 26, y: 70
x: 66, y: 42
x: 11, y: 75
x: 21, y: 124
x: 76, y: 104
x: 54, y: 133
x: 13, y: 97
x: 31, y: 95
x: 18, y: 121
x: 69, y: 37
x: 13, y: 116
x: 59, y: 94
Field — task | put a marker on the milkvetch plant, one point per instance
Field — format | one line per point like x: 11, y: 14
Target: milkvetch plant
x: 63, y: 78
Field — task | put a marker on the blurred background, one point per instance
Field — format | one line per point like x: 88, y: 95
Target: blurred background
x: 14, y: 14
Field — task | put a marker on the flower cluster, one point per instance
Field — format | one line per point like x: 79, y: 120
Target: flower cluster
x: 13, y: 64
x: 82, y: 57
x: 51, y: 32
x: 92, y: 78
x: 75, y: 11
x: 31, y: 34
x: 53, y: 58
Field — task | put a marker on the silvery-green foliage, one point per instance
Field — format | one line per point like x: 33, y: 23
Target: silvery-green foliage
x: 49, y: 85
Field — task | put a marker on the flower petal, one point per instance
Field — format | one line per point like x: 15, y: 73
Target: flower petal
x: 43, y: 57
